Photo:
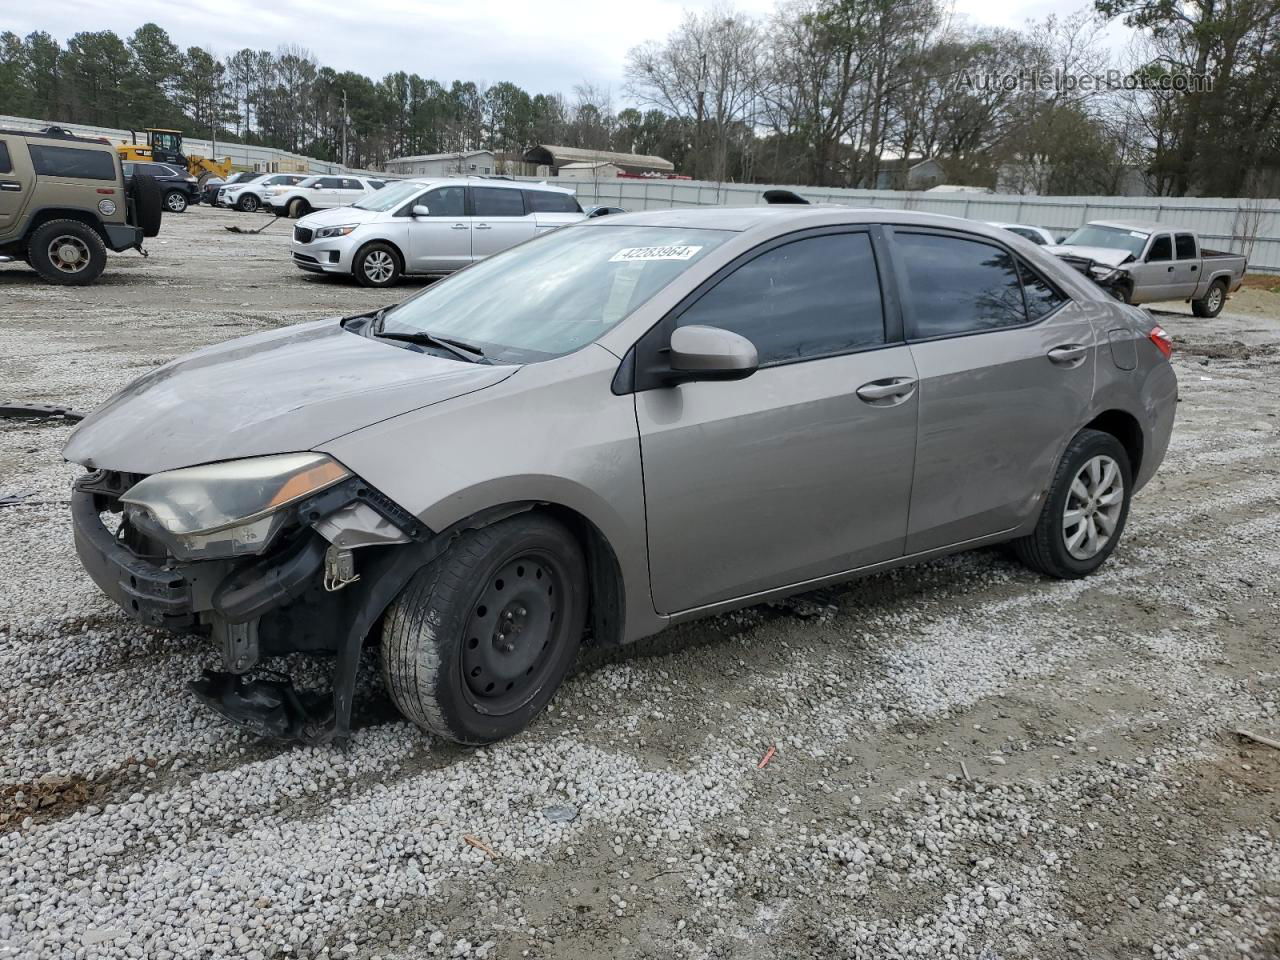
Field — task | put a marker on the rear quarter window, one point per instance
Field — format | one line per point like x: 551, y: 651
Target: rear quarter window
x: 545, y: 201
x: 51, y: 161
x: 6, y: 165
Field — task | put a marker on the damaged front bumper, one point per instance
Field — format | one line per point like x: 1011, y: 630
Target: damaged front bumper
x: 321, y: 588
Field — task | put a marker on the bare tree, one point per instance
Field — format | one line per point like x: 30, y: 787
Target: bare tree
x: 707, y: 72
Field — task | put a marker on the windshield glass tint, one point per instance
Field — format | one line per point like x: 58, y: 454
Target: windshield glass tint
x: 1091, y: 235
x: 557, y: 293
x: 389, y: 197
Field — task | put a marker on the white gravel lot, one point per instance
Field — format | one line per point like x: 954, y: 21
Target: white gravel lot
x: 970, y: 761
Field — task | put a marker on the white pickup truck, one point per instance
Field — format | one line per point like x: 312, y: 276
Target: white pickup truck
x: 1143, y: 262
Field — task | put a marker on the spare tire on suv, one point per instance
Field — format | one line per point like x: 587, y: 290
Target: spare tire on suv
x: 148, y: 202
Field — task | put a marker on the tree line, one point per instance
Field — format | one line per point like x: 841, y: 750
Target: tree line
x: 822, y: 92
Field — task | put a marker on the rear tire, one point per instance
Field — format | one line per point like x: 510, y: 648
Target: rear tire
x: 67, y: 252
x: 1085, y: 511
x: 481, y: 638
x: 175, y: 201
x: 1211, y: 304
x: 248, y: 203
x: 377, y: 265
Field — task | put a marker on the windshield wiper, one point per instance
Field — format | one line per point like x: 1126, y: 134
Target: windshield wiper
x: 459, y: 348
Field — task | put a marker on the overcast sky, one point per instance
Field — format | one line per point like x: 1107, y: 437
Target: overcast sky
x: 541, y: 47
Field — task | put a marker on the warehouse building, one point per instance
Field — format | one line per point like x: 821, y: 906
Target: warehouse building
x: 548, y: 161
x: 479, y: 162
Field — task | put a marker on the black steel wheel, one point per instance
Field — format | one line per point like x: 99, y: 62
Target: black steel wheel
x: 479, y: 641
x: 507, y: 647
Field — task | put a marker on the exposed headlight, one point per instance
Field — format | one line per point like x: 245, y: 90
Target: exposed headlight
x: 227, y: 509
x: 325, y: 232
x: 108, y: 207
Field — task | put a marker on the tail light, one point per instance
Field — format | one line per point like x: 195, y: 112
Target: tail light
x: 1160, y: 337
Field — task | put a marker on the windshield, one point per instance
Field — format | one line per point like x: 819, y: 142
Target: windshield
x: 389, y: 197
x: 555, y: 294
x: 1114, y: 238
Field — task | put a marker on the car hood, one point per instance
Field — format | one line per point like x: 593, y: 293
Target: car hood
x: 1108, y: 255
x: 277, y: 392
x: 335, y: 216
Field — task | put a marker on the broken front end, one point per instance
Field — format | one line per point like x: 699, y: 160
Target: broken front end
x: 267, y: 556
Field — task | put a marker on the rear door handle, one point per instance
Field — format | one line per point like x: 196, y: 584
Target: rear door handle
x: 1068, y: 355
x: 13, y: 186
x: 894, y: 390
x: 482, y: 226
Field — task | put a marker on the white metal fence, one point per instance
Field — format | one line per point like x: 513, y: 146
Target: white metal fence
x: 1244, y: 226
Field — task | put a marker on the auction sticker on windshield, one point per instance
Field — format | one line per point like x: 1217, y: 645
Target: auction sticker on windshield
x: 670, y: 252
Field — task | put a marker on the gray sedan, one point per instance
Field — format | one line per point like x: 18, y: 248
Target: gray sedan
x: 625, y: 424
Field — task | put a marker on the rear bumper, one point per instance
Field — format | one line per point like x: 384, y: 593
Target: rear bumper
x: 122, y: 236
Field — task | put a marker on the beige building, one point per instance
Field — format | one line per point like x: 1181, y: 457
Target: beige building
x: 588, y: 170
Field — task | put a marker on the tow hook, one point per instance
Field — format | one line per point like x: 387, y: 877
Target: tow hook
x: 339, y: 568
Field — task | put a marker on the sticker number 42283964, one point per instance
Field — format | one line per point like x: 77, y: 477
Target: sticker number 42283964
x: 670, y: 252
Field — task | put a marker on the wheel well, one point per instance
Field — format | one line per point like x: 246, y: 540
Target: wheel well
x: 386, y: 243
x: 1125, y: 428
x: 607, y: 609
x: 44, y: 216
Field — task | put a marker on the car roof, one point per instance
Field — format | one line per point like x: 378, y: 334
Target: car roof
x: 1146, y: 226
x: 487, y: 182
x: 781, y: 217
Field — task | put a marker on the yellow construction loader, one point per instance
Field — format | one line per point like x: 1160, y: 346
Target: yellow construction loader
x: 165, y: 146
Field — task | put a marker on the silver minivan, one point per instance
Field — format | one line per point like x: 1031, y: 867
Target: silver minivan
x: 428, y: 227
x: 631, y: 422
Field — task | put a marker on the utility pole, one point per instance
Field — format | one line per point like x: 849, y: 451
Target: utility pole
x: 344, y: 127
x: 702, y: 96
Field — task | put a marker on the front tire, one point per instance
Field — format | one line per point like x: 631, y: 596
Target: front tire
x: 248, y: 203
x: 1085, y: 512
x: 481, y: 638
x: 175, y: 201
x: 377, y: 265
x: 1211, y: 304
x: 67, y: 252
x: 299, y: 208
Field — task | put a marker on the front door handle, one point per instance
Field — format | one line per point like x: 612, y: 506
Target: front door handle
x: 459, y: 226
x: 1068, y: 355
x: 893, y: 390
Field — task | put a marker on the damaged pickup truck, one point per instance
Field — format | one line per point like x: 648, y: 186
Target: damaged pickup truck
x: 1140, y: 262
x: 628, y: 423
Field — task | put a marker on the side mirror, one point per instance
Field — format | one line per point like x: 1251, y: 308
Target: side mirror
x: 710, y: 353
x: 420, y: 210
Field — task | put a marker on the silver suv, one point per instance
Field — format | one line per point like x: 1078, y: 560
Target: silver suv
x: 428, y: 227
x: 628, y: 423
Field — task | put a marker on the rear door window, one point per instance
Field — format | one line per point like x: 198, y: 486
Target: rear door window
x: 330, y: 183
x: 1186, y: 245
x: 544, y: 201
x: 955, y: 286
x: 810, y: 298
x: 51, y: 161
x: 497, y: 202
x: 6, y: 164
x: 1042, y: 299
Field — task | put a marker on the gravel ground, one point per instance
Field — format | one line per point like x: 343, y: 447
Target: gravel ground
x: 970, y: 761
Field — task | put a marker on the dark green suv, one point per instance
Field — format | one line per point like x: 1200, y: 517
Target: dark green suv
x: 64, y: 202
